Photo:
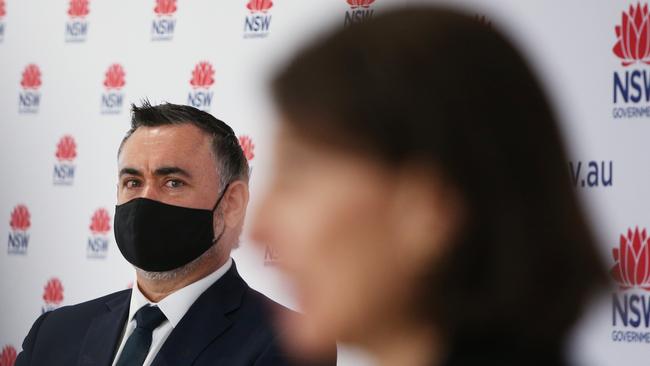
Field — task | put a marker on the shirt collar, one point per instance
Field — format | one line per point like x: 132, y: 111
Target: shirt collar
x: 175, y: 305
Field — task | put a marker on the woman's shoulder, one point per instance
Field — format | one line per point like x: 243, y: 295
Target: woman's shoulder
x: 504, y: 353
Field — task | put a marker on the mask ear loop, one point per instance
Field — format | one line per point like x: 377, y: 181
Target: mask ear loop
x: 215, y: 207
x: 223, y: 193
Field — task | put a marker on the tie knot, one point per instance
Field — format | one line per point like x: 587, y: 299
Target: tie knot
x: 149, y: 317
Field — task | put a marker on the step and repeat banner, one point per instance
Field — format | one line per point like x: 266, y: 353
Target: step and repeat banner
x: 69, y: 71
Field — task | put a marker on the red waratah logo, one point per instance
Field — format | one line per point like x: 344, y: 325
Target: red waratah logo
x: 114, y: 77
x: 203, y: 75
x: 632, y: 267
x: 3, y: 12
x: 360, y: 3
x: 78, y: 8
x: 165, y: 7
x: 100, y: 222
x: 633, y: 36
x: 8, y: 356
x: 53, y: 292
x: 259, y: 5
x: 20, y: 219
x: 247, y: 146
x: 66, y: 149
x: 31, y: 77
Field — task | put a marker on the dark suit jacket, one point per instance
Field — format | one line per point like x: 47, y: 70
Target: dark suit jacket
x: 229, y: 324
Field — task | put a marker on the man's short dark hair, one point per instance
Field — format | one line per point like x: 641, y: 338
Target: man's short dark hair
x: 231, y: 162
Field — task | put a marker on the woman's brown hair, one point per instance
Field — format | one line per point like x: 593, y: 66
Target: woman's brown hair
x: 436, y: 87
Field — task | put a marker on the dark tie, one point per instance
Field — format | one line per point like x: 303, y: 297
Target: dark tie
x: 137, y: 346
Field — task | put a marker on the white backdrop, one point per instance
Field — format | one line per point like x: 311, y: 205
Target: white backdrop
x: 70, y: 69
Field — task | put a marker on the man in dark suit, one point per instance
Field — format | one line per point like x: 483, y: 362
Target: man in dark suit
x: 182, y: 197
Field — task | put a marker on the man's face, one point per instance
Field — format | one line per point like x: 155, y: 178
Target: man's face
x: 173, y: 164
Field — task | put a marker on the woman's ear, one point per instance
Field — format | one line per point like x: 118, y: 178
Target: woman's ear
x: 234, y: 204
x: 427, y: 214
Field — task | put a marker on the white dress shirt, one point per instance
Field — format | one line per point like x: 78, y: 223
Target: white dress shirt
x: 174, y: 306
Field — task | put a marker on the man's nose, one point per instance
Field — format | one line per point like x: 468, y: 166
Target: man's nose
x: 149, y: 192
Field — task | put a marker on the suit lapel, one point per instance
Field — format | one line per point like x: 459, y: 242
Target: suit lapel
x: 104, y: 332
x: 204, y: 321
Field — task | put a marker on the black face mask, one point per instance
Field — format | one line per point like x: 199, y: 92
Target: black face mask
x: 158, y: 237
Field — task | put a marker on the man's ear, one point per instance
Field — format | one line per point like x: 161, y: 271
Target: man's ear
x: 234, y: 203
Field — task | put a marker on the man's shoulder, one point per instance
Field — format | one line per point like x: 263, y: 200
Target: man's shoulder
x: 72, y: 321
x: 258, y: 313
x: 89, y: 308
x: 258, y: 301
x: 268, y: 310
x: 243, y: 297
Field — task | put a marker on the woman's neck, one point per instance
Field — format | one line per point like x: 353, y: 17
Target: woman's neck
x: 412, y: 346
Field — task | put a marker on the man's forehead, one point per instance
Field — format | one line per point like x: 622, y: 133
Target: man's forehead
x: 183, y: 131
x: 167, y: 145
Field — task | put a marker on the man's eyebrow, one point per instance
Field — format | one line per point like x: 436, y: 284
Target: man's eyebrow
x: 130, y: 171
x: 167, y: 170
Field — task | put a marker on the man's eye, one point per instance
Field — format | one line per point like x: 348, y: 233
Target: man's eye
x: 174, y: 183
x: 131, y: 183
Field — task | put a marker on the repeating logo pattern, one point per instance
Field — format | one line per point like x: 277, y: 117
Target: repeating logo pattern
x: 626, y: 48
x: 354, y: 4
x: 20, y: 218
x: 259, y: 5
x: 114, y: 77
x: 78, y: 8
x: 632, y: 48
x: 633, y: 36
x: 113, y: 99
x: 360, y: 10
x: 52, y: 294
x: 202, y: 80
x: 164, y: 23
x: 100, y: 225
x: 8, y: 356
x: 203, y: 75
x: 247, y: 146
x: 631, y: 271
x: 76, y: 28
x: 19, y: 235
x: 64, y: 168
x: 31, y: 77
x: 3, y: 12
x: 29, y: 98
x: 271, y: 256
x: 165, y: 7
x: 632, y: 268
x: 258, y: 23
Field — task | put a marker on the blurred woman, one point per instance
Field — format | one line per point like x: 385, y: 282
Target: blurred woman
x: 421, y: 202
